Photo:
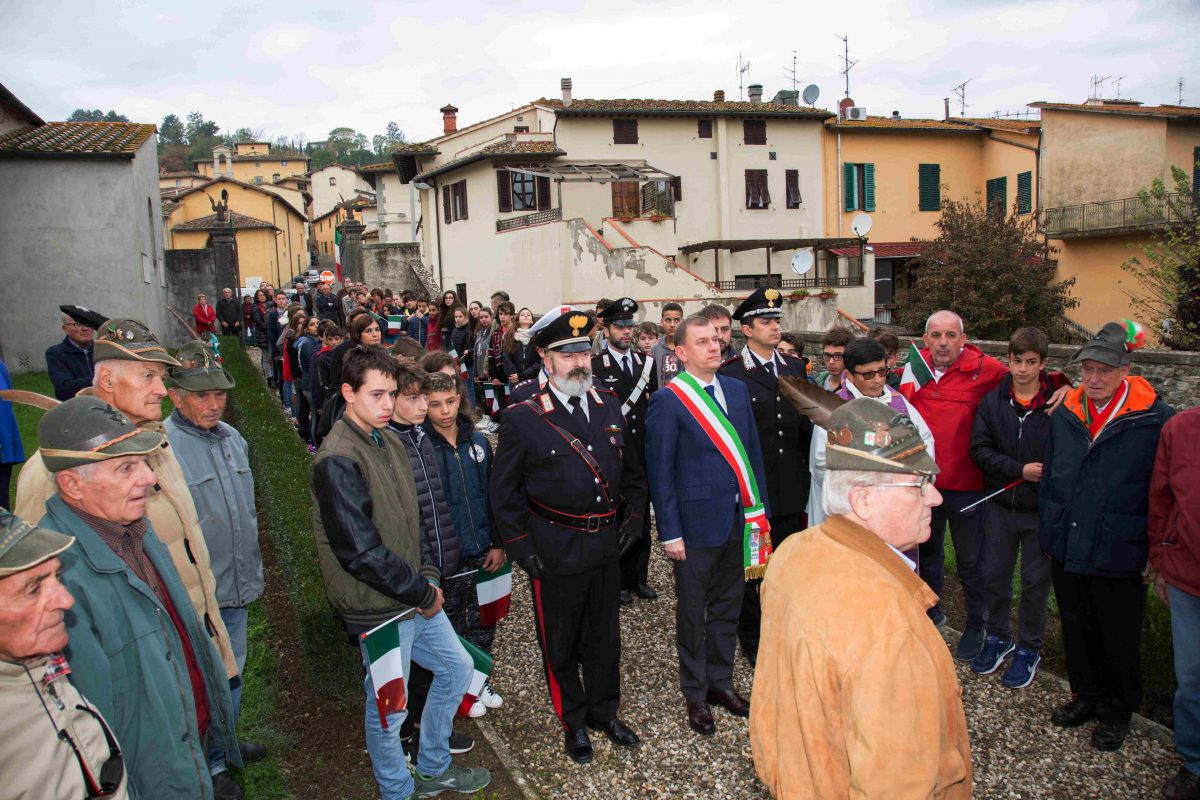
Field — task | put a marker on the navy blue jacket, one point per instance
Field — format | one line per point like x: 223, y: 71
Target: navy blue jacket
x: 70, y: 368
x: 439, y: 539
x: 693, y: 488
x: 465, y: 468
x: 418, y: 328
x: 1004, y: 439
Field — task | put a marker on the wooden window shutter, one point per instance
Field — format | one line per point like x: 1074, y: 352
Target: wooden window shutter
x: 543, y: 193
x: 929, y: 187
x: 677, y: 188
x: 849, y: 190
x: 754, y: 131
x: 625, y: 131
x: 462, y: 191
x: 649, y: 198
x: 447, y: 211
x: 757, y: 195
x: 997, y: 195
x: 1196, y: 172
x: 868, y: 187
x: 792, y: 186
x: 504, y: 189
x: 704, y: 129
x: 1024, y: 192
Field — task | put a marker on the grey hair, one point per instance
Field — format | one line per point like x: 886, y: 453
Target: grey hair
x: 85, y: 472
x: 67, y: 319
x: 835, y: 491
x: 114, y: 365
x: 961, y: 327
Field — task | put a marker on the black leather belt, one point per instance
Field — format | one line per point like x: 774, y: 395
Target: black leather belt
x: 585, y: 522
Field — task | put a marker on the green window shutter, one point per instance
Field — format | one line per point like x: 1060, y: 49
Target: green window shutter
x: 1024, y: 192
x: 929, y: 189
x: 850, y: 190
x: 1196, y: 172
x: 997, y: 195
x: 868, y: 187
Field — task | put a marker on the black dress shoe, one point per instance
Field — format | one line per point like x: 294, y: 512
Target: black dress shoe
x: 617, y: 732
x: 579, y: 747
x: 1074, y: 713
x: 252, y: 751
x: 700, y: 719
x: 1108, y: 737
x: 1184, y: 785
x: 226, y: 788
x: 625, y: 597
x: 733, y: 702
x: 646, y: 592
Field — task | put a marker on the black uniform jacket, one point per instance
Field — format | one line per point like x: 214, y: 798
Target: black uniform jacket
x: 607, y: 372
x: 536, y: 467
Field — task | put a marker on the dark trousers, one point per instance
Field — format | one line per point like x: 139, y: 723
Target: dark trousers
x: 749, y: 620
x: 1102, y: 639
x: 635, y: 564
x: 5, y: 479
x: 304, y: 417
x: 1005, y: 533
x: 229, y: 330
x: 966, y: 531
x: 708, y: 594
x: 579, y: 631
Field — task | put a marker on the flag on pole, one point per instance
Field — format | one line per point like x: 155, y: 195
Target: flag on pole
x: 489, y: 399
x: 917, y: 373
x: 462, y: 368
x: 494, y: 590
x: 483, y: 668
x: 337, y: 252
x: 386, y: 667
x: 395, y: 324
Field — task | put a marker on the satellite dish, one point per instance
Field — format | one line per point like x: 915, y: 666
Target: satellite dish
x: 802, y: 262
x: 811, y: 93
x: 861, y: 225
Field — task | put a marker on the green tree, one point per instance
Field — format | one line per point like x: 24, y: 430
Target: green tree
x: 96, y: 115
x: 394, y: 134
x: 341, y: 140
x: 1165, y: 295
x: 379, y: 144
x: 200, y: 130
x: 171, y: 132
x: 175, y: 158
x: 320, y: 158
x: 993, y: 270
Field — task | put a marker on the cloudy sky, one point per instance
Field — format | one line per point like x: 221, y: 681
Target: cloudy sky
x: 306, y: 67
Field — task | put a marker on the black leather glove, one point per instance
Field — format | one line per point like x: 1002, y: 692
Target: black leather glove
x: 532, y: 566
x: 631, y: 531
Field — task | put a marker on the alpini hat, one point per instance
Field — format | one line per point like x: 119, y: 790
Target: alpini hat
x: 865, y: 434
x: 23, y: 546
x: 563, y: 328
x: 129, y: 340
x: 87, y: 430
x: 198, y: 370
x: 1113, y: 344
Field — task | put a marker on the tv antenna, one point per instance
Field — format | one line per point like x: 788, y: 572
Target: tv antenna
x: 961, y: 91
x: 1180, y: 90
x: 791, y: 73
x: 743, y: 67
x: 846, y: 61
x: 1118, y: 82
x: 1098, y: 82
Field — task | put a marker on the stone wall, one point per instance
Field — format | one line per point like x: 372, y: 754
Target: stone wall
x: 190, y: 272
x: 398, y: 266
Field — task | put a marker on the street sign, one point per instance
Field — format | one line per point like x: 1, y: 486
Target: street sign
x: 326, y: 277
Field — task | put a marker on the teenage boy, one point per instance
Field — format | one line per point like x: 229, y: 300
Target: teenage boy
x: 664, y: 351
x: 418, y: 323
x: 323, y: 379
x: 464, y: 458
x: 1012, y: 427
x: 368, y: 536
x: 833, y: 354
x: 646, y: 334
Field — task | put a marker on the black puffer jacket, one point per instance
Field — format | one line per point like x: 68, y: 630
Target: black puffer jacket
x: 1004, y: 439
x: 439, y: 539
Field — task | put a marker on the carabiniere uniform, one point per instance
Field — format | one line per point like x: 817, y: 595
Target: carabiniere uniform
x: 633, y: 388
x: 555, y: 493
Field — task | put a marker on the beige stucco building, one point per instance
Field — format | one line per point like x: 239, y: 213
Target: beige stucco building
x: 335, y: 184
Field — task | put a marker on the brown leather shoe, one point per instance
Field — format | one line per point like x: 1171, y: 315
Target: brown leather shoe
x: 1185, y: 785
x: 733, y: 702
x: 701, y: 719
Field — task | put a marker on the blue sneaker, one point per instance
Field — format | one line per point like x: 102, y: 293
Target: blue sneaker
x: 993, y: 653
x: 1022, y: 669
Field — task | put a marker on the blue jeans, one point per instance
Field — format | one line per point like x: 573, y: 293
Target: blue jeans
x: 433, y: 644
x: 235, y: 623
x: 1185, y: 630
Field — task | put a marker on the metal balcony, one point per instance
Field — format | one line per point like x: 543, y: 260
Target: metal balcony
x: 1112, y: 217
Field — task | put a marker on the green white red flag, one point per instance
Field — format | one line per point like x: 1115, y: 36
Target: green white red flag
x: 462, y: 368
x: 386, y: 664
x: 482, y: 669
x: 494, y: 590
x: 337, y: 252
x: 917, y: 373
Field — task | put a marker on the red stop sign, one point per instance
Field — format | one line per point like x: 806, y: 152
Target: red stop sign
x: 326, y: 277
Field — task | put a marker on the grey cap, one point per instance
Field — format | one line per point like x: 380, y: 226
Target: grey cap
x: 23, y: 546
x: 129, y: 340
x: 1113, y: 344
x: 87, y: 430
x: 198, y: 370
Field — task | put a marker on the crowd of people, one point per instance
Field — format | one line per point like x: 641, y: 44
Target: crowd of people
x: 802, y: 504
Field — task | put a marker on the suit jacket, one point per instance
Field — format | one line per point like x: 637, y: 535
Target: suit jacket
x: 693, y: 488
x: 607, y: 373
x: 783, y: 432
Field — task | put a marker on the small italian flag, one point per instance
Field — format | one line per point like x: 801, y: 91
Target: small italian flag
x: 337, y: 252
x: 483, y: 668
x: 462, y: 368
x: 489, y: 400
x: 495, y: 594
x: 395, y: 324
x: 917, y: 373
x: 387, y: 668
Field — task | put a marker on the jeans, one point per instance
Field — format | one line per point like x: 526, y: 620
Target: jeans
x: 285, y: 394
x: 1185, y: 630
x: 235, y: 623
x: 433, y: 644
x: 967, y: 534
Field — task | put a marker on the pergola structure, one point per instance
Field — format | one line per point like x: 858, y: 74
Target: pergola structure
x: 621, y: 172
x: 768, y: 245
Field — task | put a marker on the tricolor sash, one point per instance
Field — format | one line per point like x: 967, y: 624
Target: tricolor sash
x: 756, y: 541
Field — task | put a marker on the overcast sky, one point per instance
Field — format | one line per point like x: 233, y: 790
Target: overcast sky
x: 306, y: 67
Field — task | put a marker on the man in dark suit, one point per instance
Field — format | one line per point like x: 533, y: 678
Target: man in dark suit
x: 705, y: 466
x: 560, y: 472
x: 70, y: 362
x: 633, y: 376
x: 783, y: 432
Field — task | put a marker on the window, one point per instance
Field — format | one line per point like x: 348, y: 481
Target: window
x: 657, y: 198
x: 704, y: 129
x: 791, y: 181
x: 754, y: 131
x: 625, y: 131
x: 333, y: 181
x: 283, y: 163
x: 258, y: 180
x: 275, y: 178
x: 858, y: 187
x: 524, y: 195
x: 1024, y: 192
x: 454, y: 201
x: 929, y: 187
x: 521, y: 129
x: 757, y: 195
x: 997, y: 195
x: 516, y: 191
x: 677, y: 188
x: 258, y: 165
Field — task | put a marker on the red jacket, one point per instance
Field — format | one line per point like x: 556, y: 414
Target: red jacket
x: 206, y: 318
x: 948, y: 406
x: 1173, y: 525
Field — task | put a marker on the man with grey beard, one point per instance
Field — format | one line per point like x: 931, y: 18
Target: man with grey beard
x: 567, y: 501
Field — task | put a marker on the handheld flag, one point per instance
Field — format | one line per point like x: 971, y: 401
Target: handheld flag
x: 489, y: 400
x: 494, y: 590
x: 483, y: 668
x: 337, y: 252
x: 386, y: 667
x: 462, y: 368
x: 917, y: 373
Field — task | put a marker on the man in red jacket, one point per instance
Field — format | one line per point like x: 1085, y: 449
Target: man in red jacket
x: 1173, y: 528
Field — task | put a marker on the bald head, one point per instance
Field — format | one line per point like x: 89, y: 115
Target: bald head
x: 943, y: 318
x: 945, y: 337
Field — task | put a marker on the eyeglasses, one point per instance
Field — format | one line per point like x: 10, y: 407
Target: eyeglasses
x: 833, y: 356
x: 926, y: 482
x: 873, y: 373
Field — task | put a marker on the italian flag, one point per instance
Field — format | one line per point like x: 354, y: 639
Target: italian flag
x: 462, y: 368
x: 917, y: 373
x: 494, y: 590
x: 483, y: 668
x: 395, y: 324
x: 387, y: 668
x: 337, y: 252
x: 489, y: 399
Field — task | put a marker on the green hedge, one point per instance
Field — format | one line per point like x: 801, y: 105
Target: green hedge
x: 281, y: 465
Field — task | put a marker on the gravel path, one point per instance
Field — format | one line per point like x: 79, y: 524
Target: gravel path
x: 1017, y: 753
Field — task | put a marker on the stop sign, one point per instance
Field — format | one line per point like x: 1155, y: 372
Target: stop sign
x: 326, y: 277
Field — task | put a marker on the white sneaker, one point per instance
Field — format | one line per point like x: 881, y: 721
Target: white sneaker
x: 483, y: 424
x: 478, y: 709
x: 489, y: 697
x: 493, y: 427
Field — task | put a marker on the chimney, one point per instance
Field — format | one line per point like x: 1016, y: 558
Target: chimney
x: 755, y: 92
x: 946, y: 100
x: 786, y: 97
x: 449, y: 119
x: 566, y: 91
x: 895, y: 115
x: 719, y: 96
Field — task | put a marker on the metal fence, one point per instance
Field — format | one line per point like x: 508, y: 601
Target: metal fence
x: 1110, y: 216
x: 536, y: 218
x: 778, y: 282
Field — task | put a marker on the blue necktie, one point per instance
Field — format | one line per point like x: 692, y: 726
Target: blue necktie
x: 712, y: 392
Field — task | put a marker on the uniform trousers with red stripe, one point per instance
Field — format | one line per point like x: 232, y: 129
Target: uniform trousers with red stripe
x: 579, y: 631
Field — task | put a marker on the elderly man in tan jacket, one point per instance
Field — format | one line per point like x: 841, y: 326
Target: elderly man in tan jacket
x: 130, y: 365
x: 855, y: 693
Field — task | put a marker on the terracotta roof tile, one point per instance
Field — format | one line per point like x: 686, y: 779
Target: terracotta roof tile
x: 739, y: 108
x: 505, y: 148
x: 381, y: 166
x: 1171, y: 112
x: 902, y: 123
x: 1017, y: 124
x: 180, y: 173
x: 415, y: 148
x: 240, y: 222
x: 77, y: 139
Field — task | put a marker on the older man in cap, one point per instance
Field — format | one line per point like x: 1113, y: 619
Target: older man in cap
x: 70, y: 362
x: 130, y: 366
x: 855, y: 692
x: 1093, y: 505
x: 215, y: 461
x: 56, y: 745
x: 138, y: 650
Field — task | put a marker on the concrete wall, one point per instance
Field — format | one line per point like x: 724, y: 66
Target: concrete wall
x: 1101, y: 285
x: 191, y: 272
x: 75, y: 231
x: 392, y: 196
x: 1182, y: 140
x: 396, y: 266
x: 1089, y: 157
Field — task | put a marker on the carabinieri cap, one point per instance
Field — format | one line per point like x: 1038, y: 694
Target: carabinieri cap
x: 620, y: 312
x: 565, y: 329
x: 765, y: 302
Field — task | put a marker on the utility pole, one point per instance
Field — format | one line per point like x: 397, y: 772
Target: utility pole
x: 846, y: 61
x: 961, y: 91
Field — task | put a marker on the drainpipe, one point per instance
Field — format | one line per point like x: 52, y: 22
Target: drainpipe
x: 838, y: 169
x: 412, y: 212
x: 437, y: 227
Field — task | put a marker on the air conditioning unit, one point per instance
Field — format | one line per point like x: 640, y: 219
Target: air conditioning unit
x: 856, y: 112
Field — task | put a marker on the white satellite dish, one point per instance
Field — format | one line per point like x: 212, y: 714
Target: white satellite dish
x: 861, y: 225
x: 802, y: 262
x: 811, y: 93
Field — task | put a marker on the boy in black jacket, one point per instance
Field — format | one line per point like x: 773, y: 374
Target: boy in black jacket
x: 1011, y: 428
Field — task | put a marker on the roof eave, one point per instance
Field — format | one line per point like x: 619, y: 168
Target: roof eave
x: 474, y: 158
x: 68, y: 156
x: 616, y: 112
x: 8, y: 98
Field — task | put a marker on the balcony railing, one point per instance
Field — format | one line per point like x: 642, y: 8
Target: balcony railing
x: 536, y: 218
x: 1118, y: 216
x: 751, y: 283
